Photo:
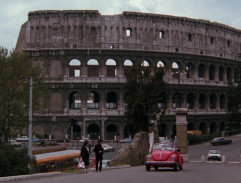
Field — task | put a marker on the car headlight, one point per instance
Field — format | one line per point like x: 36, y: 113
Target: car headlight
x: 173, y: 157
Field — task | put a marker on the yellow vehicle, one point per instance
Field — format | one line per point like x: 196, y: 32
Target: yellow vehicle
x: 56, y: 161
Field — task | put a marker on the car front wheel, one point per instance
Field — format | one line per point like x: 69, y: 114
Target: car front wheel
x: 148, y: 167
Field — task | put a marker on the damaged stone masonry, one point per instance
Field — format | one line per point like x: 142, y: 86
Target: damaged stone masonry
x: 85, y: 56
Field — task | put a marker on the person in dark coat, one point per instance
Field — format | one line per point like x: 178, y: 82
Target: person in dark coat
x: 85, y: 151
x: 98, y: 149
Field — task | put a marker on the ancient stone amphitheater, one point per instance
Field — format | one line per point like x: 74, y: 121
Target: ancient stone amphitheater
x: 85, y: 55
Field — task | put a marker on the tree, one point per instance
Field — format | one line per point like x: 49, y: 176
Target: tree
x: 15, y: 71
x: 234, y: 105
x: 144, y: 85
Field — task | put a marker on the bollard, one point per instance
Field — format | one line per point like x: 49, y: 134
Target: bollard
x: 202, y: 158
x: 224, y: 159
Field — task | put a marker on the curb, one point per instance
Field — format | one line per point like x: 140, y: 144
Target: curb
x: 11, y: 178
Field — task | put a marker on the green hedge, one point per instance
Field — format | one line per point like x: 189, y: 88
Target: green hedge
x: 13, y: 161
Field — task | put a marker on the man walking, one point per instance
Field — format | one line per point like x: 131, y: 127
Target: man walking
x: 98, y: 149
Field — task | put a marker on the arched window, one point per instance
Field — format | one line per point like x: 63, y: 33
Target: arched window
x: 220, y: 73
x: 93, y: 101
x: 229, y: 72
x: 74, y: 68
x: 202, y: 101
x: 111, y: 67
x: 177, y: 100
x: 93, y: 67
x: 160, y: 64
x: 222, y: 102
x: 212, y: 72
x: 111, y: 100
x: 145, y: 63
x: 212, y: 101
x: 175, y: 70
x: 127, y: 66
x: 74, y: 101
x: 190, y: 101
x: 189, y: 70
x: 201, y: 71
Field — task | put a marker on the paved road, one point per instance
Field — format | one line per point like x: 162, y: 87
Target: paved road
x: 192, y: 172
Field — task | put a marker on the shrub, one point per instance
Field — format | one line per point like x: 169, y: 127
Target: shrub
x: 13, y: 161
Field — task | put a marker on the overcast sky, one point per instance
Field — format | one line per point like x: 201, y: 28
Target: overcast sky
x: 14, y: 13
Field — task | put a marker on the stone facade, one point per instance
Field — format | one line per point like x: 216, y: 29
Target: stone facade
x: 85, y: 54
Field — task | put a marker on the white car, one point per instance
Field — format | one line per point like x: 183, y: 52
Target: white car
x: 214, y: 155
x: 22, y: 139
x: 107, y: 148
x: 105, y: 163
x: 84, y: 139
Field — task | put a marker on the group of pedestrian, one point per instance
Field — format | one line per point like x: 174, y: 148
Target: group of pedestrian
x: 85, y: 154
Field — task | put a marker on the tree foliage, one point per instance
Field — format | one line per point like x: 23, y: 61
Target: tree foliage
x: 13, y: 161
x: 144, y: 86
x: 234, y: 105
x: 15, y: 70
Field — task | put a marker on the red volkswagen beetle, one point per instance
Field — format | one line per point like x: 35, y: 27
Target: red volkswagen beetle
x: 164, y: 154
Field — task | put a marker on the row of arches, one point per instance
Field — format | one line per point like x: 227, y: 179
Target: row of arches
x: 177, y: 99
x: 173, y: 69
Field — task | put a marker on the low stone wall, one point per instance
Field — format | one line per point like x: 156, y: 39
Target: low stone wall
x: 133, y: 153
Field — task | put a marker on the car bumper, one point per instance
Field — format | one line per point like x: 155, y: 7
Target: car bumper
x: 161, y: 163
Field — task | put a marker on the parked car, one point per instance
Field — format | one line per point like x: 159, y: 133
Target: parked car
x: 25, y: 139
x: 214, y: 155
x: 164, y: 154
x: 84, y: 139
x: 220, y: 141
x: 14, y: 143
x: 22, y: 139
x: 126, y: 140
x: 107, y: 148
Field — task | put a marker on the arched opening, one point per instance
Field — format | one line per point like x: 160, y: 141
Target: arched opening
x: 93, y: 67
x: 211, y: 72
x: 93, y: 101
x: 189, y: 69
x: 76, y: 132
x: 221, y: 73
x: 111, y: 100
x: 222, y: 102
x: 229, y: 72
x: 175, y: 70
x: 202, y: 101
x: 126, y: 132
x: 111, y: 68
x: 212, y: 101
x: 190, y: 127
x: 74, y: 101
x: 93, y: 131
x: 177, y: 100
x: 222, y: 126
x: 111, y: 131
x: 203, y: 128
x: 145, y: 63
x: 74, y: 68
x: 201, y: 71
x: 213, y: 128
x: 127, y: 66
x: 190, y: 101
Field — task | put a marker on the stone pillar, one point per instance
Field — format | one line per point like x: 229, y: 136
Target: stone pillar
x: 181, y: 130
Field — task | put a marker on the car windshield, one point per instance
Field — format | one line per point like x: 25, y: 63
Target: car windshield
x: 214, y: 152
x: 164, y: 146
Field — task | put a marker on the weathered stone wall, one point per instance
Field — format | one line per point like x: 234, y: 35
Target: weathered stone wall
x: 134, y: 153
x: 80, y: 29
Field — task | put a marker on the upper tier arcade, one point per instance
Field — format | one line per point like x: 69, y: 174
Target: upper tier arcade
x: 88, y: 29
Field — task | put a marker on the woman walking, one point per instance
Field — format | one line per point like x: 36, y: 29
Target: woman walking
x: 85, y: 151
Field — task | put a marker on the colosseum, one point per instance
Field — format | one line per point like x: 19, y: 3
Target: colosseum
x: 84, y: 56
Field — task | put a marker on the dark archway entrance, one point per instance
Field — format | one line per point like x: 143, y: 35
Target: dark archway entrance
x: 162, y: 130
x: 93, y: 131
x: 76, y: 131
x: 111, y: 131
